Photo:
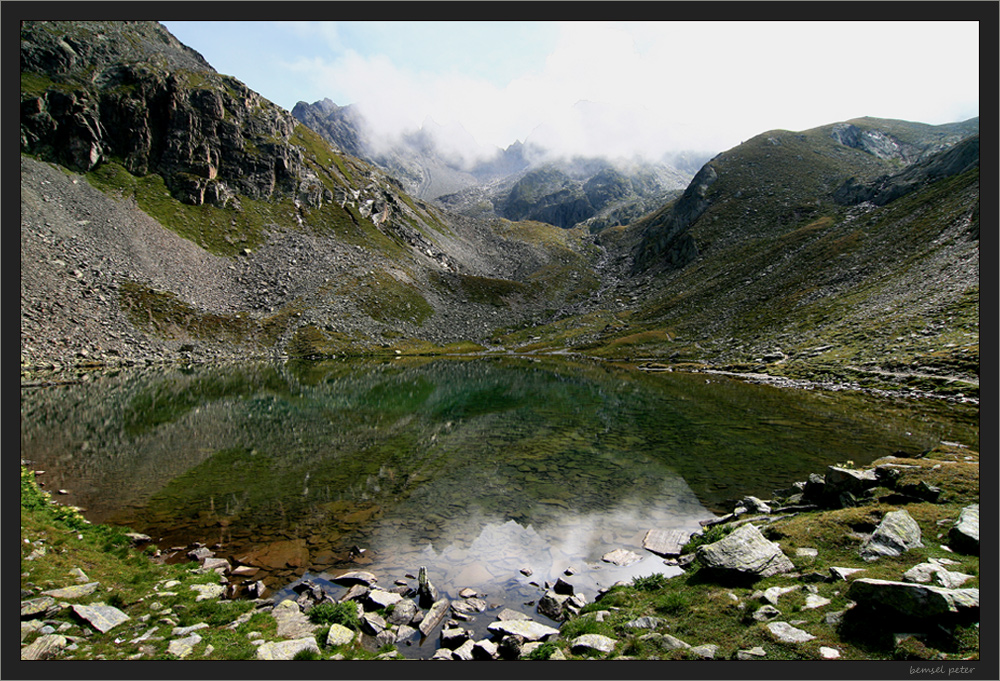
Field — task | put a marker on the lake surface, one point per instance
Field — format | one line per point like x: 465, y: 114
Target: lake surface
x: 474, y: 468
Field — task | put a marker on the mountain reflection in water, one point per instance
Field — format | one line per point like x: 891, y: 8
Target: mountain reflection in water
x: 474, y: 468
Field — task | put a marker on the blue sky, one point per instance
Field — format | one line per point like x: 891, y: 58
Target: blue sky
x: 647, y: 87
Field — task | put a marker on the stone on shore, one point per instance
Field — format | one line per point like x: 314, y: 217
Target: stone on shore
x: 434, y: 616
x: 894, y: 536
x: 665, y: 542
x: 526, y: 629
x: 917, y: 601
x: 100, y: 616
x: 592, y: 643
x: 744, y: 553
x: 286, y: 650
x: 964, y: 535
x: 339, y: 635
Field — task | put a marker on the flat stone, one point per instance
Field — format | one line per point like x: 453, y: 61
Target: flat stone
x: 208, y: 591
x: 896, y: 534
x: 621, y: 557
x: 842, y: 573
x: 468, y: 593
x: 373, y: 623
x: 100, y: 616
x: 753, y: 654
x: 182, y: 647
x: 665, y: 542
x: 244, y: 571
x: 925, y: 572
x: 77, y: 591
x: 785, y: 632
x: 644, y: 623
x: 592, y: 643
x: 507, y: 614
x: 526, y: 629
x: 806, y: 553
x: 43, y: 647
x: 184, y: 631
x: 828, y: 653
x: 292, y: 622
x: 772, y: 594
x: 914, y: 600
x: 379, y: 598
x: 286, y: 650
x: 814, y: 601
x: 339, y: 635
x: 36, y: 606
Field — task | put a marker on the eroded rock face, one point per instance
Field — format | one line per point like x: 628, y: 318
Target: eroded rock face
x: 745, y: 553
x: 164, y: 110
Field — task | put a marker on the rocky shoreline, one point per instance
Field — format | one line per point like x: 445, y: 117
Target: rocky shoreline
x: 734, y: 552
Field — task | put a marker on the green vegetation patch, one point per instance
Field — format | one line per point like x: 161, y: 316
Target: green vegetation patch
x: 484, y: 290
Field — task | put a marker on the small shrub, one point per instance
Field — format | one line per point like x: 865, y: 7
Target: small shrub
x: 345, y: 614
x: 652, y: 582
x: 307, y: 654
x: 709, y: 536
x: 673, y: 603
x: 542, y: 652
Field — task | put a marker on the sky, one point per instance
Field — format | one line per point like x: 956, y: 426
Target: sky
x: 604, y: 88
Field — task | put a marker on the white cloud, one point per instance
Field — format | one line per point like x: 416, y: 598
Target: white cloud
x: 613, y: 88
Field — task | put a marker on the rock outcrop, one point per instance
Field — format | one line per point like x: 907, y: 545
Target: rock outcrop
x: 744, y: 554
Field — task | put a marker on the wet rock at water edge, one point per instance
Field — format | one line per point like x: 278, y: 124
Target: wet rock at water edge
x: 621, y: 557
x: 427, y: 593
x: 355, y: 577
x: 434, y: 616
x: 559, y: 607
x: 744, y: 554
x: 895, y: 535
x: 665, y: 542
x: 403, y: 612
x: 528, y: 630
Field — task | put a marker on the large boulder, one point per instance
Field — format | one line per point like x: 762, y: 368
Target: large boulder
x: 895, y: 535
x: 964, y: 535
x: 914, y: 601
x: 746, y: 554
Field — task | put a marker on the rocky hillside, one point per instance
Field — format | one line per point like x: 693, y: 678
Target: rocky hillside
x: 167, y: 211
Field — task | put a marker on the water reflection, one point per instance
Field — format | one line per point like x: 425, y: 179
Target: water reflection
x: 475, y: 468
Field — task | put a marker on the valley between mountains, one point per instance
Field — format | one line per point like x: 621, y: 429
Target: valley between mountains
x: 169, y: 213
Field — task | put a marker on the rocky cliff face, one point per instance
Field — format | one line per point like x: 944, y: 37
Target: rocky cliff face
x: 130, y: 92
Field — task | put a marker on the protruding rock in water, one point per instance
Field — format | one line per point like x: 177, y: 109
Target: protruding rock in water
x: 453, y: 637
x: 915, y: 601
x: 484, y: 650
x: 563, y: 587
x: 526, y: 629
x: 403, y: 612
x: 744, y: 553
x: 559, y: 607
x: 434, y: 616
x: 751, y: 504
x: 592, y: 643
x: 427, y: 593
x: 964, y: 535
x: 895, y: 535
x: 380, y: 598
x: 507, y: 614
x: 665, y: 542
x: 621, y: 557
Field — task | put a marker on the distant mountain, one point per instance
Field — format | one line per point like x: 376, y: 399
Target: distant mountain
x: 170, y: 212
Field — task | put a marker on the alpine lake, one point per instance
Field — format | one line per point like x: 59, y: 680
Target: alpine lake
x: 479, y: 469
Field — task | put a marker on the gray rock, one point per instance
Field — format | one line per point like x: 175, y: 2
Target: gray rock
x: 839, y: 480
x: 645, y: 623
x: 621, y: 557
x: 754, y: 653
x: 184, y: 631
x: 405, y: 632
x: 373, y: 623
x: 842, y: 573
x: 925, y: 572
x: 403, y: 612
x: 292, y: 623
x: 828, y: 653
x: 765, y: 613
x: 592, y: 643
x: 100, y: 616
x: 507, y: 614
x: 464, y: 651
x: 380, y: 598
x: 339, y: 635
x: 914, y: 600
x: 705, y: 651
x: 453, y: 637
x: 745, y: 553
x: 182, y: 647
x: 526, y: 629
x: 43, y: 647
x: 665, y: 542
x: 563, y: 587
x: 77, y: 591
x: 814, y: 601
x: 772, y: 594
x: 895, y: 535
x: 37, y: 606
x: 964, y: 535
x: 286, y: 650
x: 427, y: 593
x: 208, y: 591
x: 754, y: 505
x: 434, y: 616
x: 785, y: 632
x: 484, y: 650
